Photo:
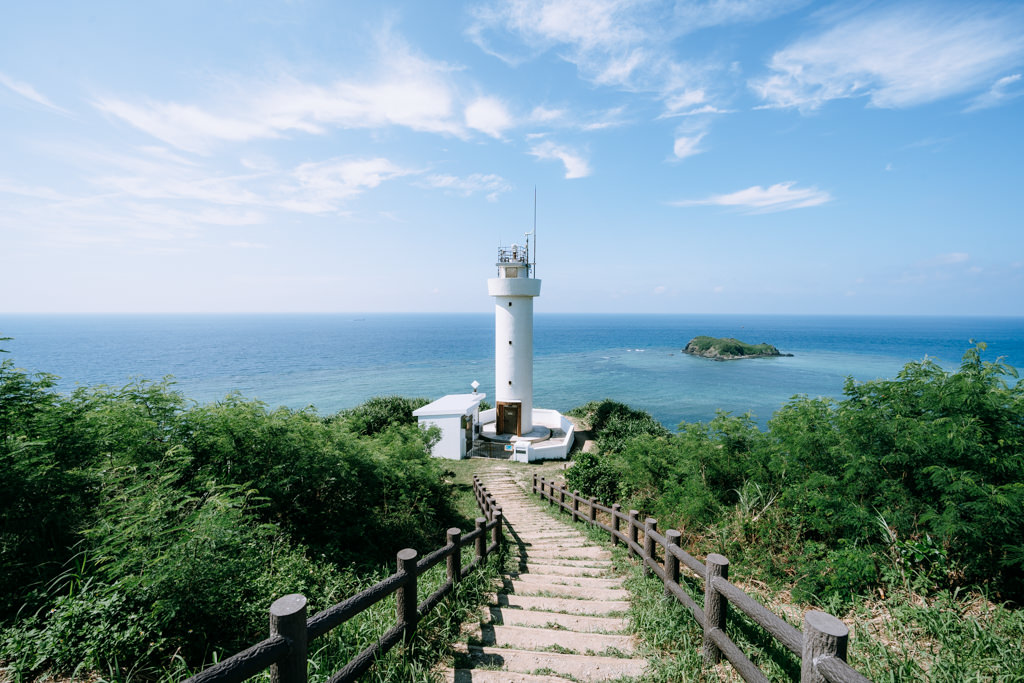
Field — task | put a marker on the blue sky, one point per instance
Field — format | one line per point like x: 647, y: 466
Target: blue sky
x: 723, y: 156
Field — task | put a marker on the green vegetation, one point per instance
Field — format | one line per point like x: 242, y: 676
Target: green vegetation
x: 142, y: 536
x: 728, y: 348
x: 902, y: 504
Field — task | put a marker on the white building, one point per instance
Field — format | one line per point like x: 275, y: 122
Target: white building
x: 457, y: 415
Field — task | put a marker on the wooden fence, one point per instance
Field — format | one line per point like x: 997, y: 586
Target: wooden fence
x: 821, y: 646
x: 284, y: 651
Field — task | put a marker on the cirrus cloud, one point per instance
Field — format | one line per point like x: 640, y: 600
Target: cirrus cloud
x: 757, y: 199
x: 896, y: 57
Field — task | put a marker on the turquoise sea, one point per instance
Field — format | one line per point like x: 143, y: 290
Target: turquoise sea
x: 335, y: 361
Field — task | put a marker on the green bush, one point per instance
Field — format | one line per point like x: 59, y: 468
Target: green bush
x: 138, y: 527
x: 936, y: 455
x: 381, y: 412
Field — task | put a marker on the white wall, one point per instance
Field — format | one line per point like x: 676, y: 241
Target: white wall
x: 453, y: 439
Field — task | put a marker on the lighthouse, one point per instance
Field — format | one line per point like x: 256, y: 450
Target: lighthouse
x: 513, y: 428
x: 513, y: 290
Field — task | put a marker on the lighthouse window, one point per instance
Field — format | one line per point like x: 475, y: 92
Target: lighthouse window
x: 510, y: 342
x: 510, y: 382
x: 510, y: 304
x: 511, y: 272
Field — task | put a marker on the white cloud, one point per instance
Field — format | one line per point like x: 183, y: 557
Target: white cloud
x: 684, y: 100
x: 314, y: 187
x: 625, y: 44
x: 28, y: 92
x: 612, y: 118
x: 187, y: 127
x: 697, y: 14
x: 896, y: 57
x: 948, y: 259
x: 542, y: 114
x: 575, y: 165
x: 402, y: 89
x: 686, y: 146
x: 247, y: 245
x: 491, y: 184
x: 778, y: 197
x: 999, y: 93
x: 698, y: 111
x: 488, y: 115
x: 31, y: 191
x: 660, y: 289
x: 321, y: 186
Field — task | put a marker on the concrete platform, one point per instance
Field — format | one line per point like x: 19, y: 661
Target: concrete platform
x: 489, y: 432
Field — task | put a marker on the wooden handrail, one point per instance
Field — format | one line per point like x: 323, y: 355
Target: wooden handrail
x: 821, y: 645
x: 284, y: 652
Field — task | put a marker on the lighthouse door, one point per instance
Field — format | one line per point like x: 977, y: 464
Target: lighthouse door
x: 508, y: 418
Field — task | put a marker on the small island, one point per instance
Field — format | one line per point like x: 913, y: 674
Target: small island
x: 728, y: 348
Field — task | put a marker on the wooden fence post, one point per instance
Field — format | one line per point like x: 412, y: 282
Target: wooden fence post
x: 481, y: 540
x: 593, y: 509
x: 650, y: 524
x: 634, y: 525
x: 575, y: 505
x: 824, y: 636
x: 561, y: 496
x: 405, y: 596
x: 671, y: 561
x: 288, y: 619
x: 616, y: 509
x: 454, y: 563
x: 496, y: 531
x: 716, y: 607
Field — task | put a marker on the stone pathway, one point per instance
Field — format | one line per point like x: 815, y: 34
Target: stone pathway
x: 560, y: 616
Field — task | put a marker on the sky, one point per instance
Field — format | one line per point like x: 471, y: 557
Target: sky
x: 708, y: 156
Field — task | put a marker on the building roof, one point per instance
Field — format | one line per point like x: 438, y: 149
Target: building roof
x: 452, y: 404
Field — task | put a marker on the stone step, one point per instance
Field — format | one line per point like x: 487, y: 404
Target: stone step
x: 561, y: 580
x: 522, y: 587
x: 594, y: 563
x: 563, y: 570
x: 497, y: 676
x: 568, y: 544
x: 579, y: 667
x: 527, y: 638
x: 537, y: 619
x: 549, y: 533
x: 597, y: 608
x: 584, y: 553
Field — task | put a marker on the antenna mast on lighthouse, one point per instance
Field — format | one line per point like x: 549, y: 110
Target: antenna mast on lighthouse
x: 535, y: 231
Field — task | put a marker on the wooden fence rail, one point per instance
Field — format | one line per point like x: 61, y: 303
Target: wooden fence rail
x: 284, y: 651
x: 821, y: 645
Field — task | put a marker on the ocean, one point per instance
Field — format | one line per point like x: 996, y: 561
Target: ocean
x: 336, y: 361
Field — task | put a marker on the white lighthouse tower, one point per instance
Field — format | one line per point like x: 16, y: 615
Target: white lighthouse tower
x: 513, y: 291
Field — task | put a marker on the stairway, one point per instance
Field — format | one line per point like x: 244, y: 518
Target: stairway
x: 560, y: 616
